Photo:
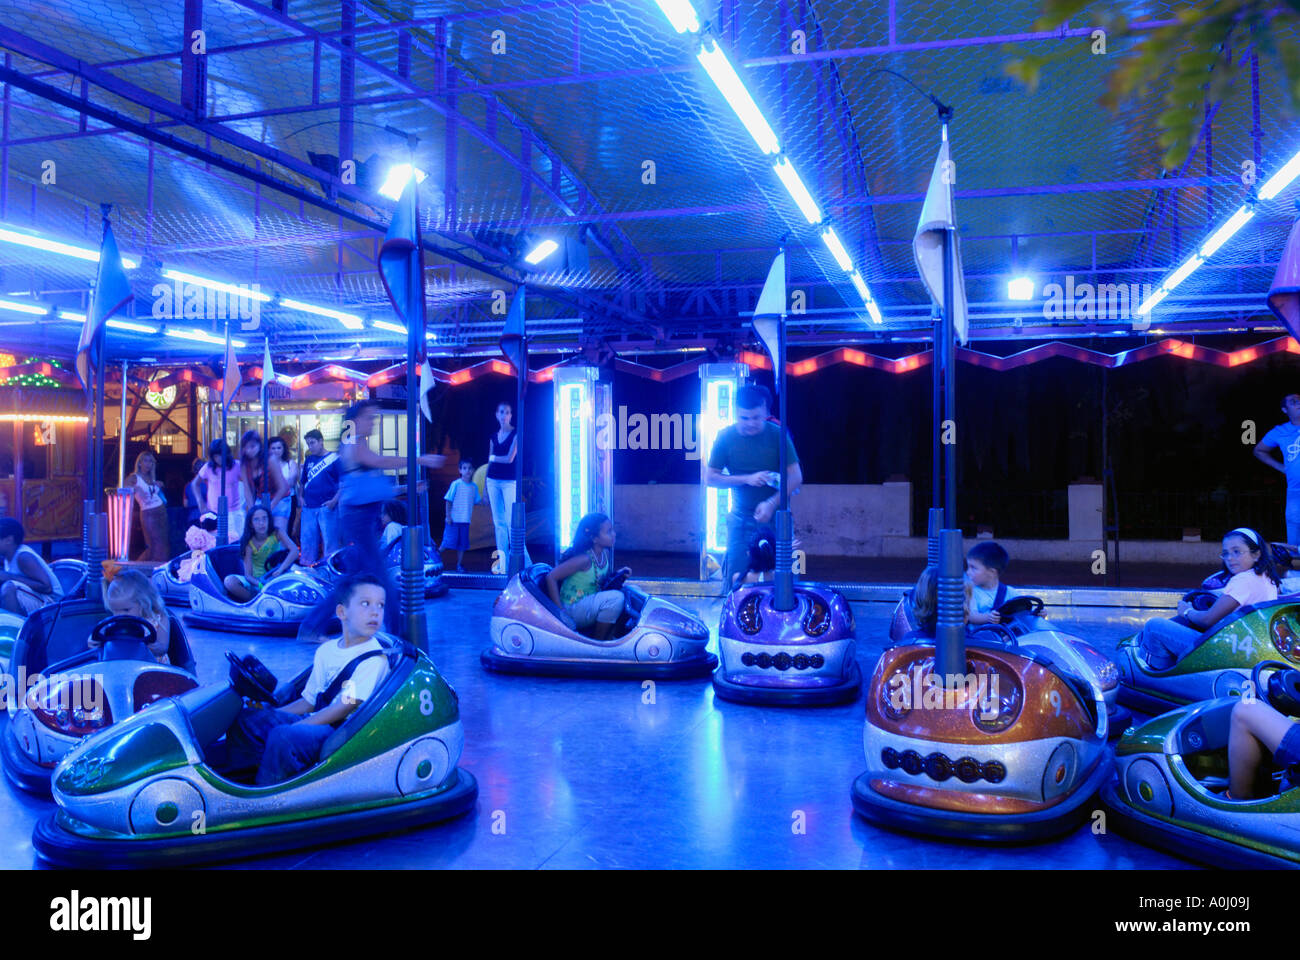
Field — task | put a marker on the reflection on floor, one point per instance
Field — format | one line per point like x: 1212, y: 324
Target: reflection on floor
x: 583, y: 774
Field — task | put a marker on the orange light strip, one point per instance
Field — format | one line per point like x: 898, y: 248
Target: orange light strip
x: 41, y: 418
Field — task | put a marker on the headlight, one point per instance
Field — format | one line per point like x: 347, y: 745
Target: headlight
x: 999, y: 699
x: 1285, y: 640
x: 895, y: 697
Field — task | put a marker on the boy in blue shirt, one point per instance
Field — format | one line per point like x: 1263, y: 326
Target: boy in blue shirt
x: 985, y: 563
x: 1285, y: 439
x: 462, y: 496
x: 320, y: 499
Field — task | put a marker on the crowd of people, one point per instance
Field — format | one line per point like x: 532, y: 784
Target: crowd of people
x: 331, y: 498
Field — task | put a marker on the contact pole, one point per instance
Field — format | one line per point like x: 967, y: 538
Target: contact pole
x: 950, y: 639
x: 417, y: 627
x: 99, y: 520
x: 783, y: 586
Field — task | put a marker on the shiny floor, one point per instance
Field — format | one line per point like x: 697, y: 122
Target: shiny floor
x: 582, y: 774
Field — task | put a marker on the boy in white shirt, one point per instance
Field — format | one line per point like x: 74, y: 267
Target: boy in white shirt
x: 289, y: 739
x: 462, y: 496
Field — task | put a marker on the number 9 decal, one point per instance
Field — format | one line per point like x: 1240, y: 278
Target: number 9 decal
x: 1056, y: 701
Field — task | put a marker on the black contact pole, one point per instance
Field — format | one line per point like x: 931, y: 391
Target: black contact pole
x: 935, y: 517
x: 417, y: 625
x: 98, y: 548
x: 88, y: 503
x: 783, y: 586
x: 950, y: 640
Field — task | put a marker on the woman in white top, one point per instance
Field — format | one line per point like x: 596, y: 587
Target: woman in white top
x: 1253, y: 580
x: 152, y: 502
x: 277, y: 452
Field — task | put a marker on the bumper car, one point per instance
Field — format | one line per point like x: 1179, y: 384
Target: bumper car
x: 801, y: 657
x: 1170, y: 777
x: 1021, y: 614
x: 1221, y: 664
x: 151, y: 792
x: 278, y: 608
x: 86, y: 691
x: 334, y: 568
x: 72, y: 575
x: 1014, y: 752
x: 654, y: 639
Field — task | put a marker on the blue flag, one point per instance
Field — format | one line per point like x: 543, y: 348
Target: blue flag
x: 112, y: 292
x: 512, y: 337
x: 401, y: 258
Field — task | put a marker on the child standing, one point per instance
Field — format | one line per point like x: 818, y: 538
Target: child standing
x: 462, y: 496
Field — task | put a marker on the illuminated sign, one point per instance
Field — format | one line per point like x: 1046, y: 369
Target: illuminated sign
x: 718, y: 385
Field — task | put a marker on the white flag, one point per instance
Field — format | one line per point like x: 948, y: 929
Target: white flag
x: 938, y: 214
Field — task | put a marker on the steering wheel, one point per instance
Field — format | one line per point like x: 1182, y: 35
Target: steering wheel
x: 120, y: 637
x: 1201, y: 599
x: 1022, y: 604
x: 615, y: 580
x: 1282, y: 691
x: 1000, y: 633
x: 250, y: 678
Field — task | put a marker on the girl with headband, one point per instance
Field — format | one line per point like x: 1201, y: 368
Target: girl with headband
x: 1249, y: 563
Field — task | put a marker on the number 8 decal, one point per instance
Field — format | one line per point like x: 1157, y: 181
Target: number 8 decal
x: 426, y: 702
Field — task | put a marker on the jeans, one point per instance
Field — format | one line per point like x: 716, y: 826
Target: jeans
x: 275, y: 740
x: 741, y: 528
x: 319, y: 524
x: 1293, y: 519
x: 501, y: 498
x: 1163, y: 643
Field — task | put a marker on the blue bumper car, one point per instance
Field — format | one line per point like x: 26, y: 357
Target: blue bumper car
x: 278, y: 609
x: 152, y: 791
x: 71, y: 690
x: 801, y: 657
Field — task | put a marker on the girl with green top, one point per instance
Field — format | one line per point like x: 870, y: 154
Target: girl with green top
x: 261, y: 539
x: 575, y: 582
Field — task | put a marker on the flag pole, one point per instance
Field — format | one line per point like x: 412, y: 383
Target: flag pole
x: 266, y: 435
x: 223, y: 507
x: 518, y: 516
x: 950, y: 632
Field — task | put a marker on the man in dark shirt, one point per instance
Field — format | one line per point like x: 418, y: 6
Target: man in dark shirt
x: 320, y: 499
x: 750, y: 452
